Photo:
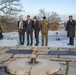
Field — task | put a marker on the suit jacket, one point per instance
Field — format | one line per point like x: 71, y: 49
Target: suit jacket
x: 29, y: 26
x: 44, y: 27
x: 23, y: 25
x: 70, y: 28
x: 36, y: 26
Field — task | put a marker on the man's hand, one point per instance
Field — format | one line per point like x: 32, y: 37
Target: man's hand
x: 65, y: 30
x: 70, y: 20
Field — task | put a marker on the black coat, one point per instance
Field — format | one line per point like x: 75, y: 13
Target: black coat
x: 0, y: 31
x: 23, y: 25
x: 70, y: 28
x: 36, y: 26
x: 1, y: 36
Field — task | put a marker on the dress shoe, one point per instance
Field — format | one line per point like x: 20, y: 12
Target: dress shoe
x: 72, y: 44
x: 27, y: 44
x: 68, y: 44
x: 36, y: 44
x: 21, y: 43
x: 46, y: 45
x: 30, y: 44
x: 42, y: 45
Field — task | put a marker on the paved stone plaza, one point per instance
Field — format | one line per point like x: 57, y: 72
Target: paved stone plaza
x: 10, y: 41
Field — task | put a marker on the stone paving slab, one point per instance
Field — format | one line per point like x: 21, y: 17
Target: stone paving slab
x: 4, y: 57
x: 72, y: 68
x: 4, y: 50
x: 62, y: 70
x: 4, y: 64
x: 22, y: 56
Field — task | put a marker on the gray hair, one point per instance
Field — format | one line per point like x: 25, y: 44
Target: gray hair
x: 20, y: 16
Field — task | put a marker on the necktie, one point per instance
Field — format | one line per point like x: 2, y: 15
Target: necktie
x: 28, y: 21
x: 34, y: 22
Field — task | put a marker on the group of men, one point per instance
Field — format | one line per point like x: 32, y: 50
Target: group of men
x: 29, y: 26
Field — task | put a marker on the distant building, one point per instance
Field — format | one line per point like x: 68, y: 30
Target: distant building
x: 61, y: 25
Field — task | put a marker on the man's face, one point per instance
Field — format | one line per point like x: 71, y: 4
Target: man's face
x: 44, y: 20
x: 34, y: 19
x: 70, y: 18
x: 20, y: 18
x: 28, y: 18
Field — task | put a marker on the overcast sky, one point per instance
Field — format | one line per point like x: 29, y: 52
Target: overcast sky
x: 63, y: 7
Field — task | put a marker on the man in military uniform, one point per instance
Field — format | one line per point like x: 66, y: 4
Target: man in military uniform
x: 44, y: 30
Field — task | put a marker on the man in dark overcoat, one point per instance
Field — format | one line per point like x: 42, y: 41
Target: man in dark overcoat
x: 70, y: 28
x: 1, y: 36
x: 36, y: 30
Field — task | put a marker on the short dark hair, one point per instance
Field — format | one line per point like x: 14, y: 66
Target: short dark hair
x: 28, y: 15
x: 35, y: 17
x: 70, y: 16
x: 44, y: 17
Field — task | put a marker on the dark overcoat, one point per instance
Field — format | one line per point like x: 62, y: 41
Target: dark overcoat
x: 70, y: 28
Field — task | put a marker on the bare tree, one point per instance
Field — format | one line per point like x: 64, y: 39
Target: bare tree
x: 54, y: 17
x: 9, y: 10
x: 10, y: 7
x: 42, y: 13
x: 51, y: 17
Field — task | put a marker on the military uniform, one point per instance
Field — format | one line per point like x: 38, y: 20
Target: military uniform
x: 44, y: 31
